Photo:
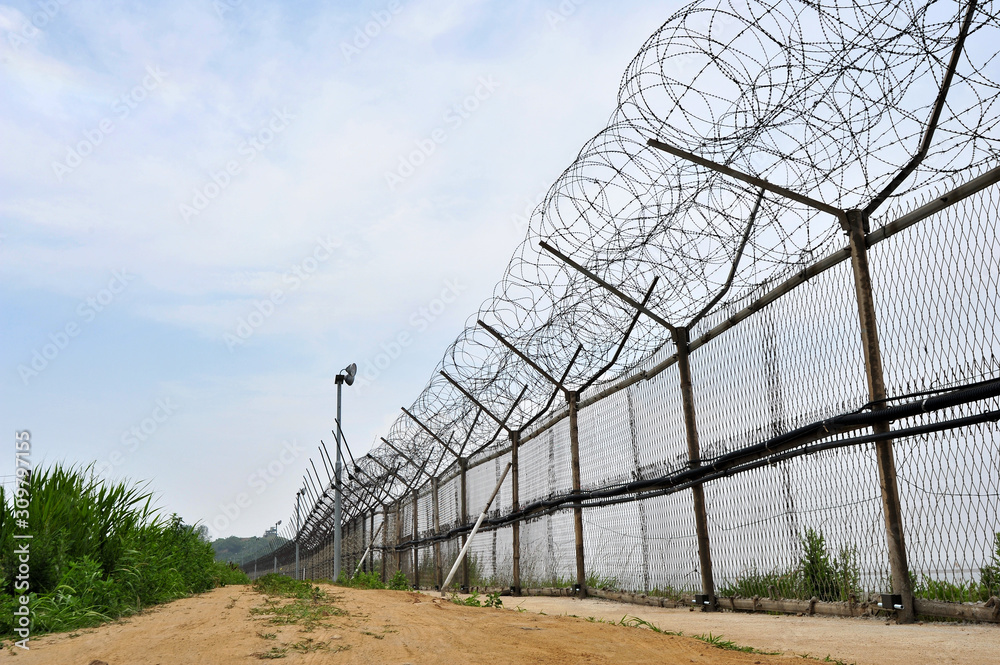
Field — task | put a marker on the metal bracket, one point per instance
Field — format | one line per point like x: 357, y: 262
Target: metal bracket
x: 891, y: 602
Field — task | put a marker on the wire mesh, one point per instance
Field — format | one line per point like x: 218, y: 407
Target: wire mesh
x: 706, y: 222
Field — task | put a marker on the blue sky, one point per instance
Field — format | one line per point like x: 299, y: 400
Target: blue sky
x: 208, y: 209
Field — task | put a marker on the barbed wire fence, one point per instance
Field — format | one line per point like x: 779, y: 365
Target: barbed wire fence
x: 747, y: 353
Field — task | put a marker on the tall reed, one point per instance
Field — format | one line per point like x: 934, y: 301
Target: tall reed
x: 99, y: 550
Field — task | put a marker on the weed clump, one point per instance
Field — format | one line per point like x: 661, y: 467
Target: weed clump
x: 399, y: 581
x: 274, y: 584
x: 362, y: 580
x: 310, y: 606
x: 817, y: 575
x: 492, y: 600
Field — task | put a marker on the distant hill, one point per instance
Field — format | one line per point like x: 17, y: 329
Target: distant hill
x: 236, y: 549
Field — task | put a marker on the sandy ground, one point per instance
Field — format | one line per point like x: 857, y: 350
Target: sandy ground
x: 865, y: 641
x: 391, y: 627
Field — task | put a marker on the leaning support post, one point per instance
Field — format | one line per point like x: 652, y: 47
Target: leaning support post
x: 463, y: 465
x: 515, y: 441
x: 367, y: 550
x: 856, y: 226
x: 436, y: 521
x: 475, y: 529
x: 694, y: 460
x: 574, y: 446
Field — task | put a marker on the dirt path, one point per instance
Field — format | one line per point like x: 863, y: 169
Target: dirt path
x: 861, y: 641
x: 388, y: 627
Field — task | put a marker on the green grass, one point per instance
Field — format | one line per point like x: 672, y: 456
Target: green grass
x: 595, y: 581
x: 818, y: 574
x: 290, y: 602
x: 271, y: 654
x: 473, y: 600
x: 671, y: 593
x: 99, y: 551
x: 714, y: 640
x: 636, y: 622
x: 969, y: 591
x: 310, y: 606
x: 837, y: 578
x: 274, y: 584
x: 728, y: 645
x: 399, y: 582
x: 370, y: 580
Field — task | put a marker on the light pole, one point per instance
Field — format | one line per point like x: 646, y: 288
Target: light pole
x: 346, y: 377
x: 298, y: 495
x: 275, y: 541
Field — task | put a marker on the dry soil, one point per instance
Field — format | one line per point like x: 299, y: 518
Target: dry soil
x: 393, y: 627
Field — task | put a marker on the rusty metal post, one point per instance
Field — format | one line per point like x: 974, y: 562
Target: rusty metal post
x: 416, y: 534
x: 399, y: 533
x: 435, y: 508
x: 347, y: 553
x: 353, y: 535
x: 371, y: 560
x: 515, y: 442
x: 362, y: 538
x: 694, y: 460
x: 463, y: 465
x: 573, y: 398
x: 385, y: 541
x: 856, y: 226
x: 359, y: 541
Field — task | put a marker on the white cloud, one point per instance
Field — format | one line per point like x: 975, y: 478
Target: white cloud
x: 324, y: 174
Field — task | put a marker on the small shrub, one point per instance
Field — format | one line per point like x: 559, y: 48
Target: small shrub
x: 229, y: 573
x: 471, y: 601
x: 595, y: 581
x: 274, y: 584
x: 362, y: 580
x: 990, y: 573
x: 754, y: 583
x: 817, y: 575
x: 399, y: 581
